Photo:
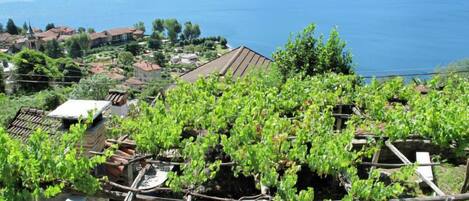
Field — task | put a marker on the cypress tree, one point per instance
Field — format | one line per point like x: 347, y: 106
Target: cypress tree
x: 11, y: 27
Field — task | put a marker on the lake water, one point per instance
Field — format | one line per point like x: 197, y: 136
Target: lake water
x: 385, y: 37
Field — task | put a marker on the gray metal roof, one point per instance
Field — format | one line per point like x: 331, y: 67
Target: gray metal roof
x: 238, y: 61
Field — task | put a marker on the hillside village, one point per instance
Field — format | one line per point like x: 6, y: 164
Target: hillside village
x: 173, y: 115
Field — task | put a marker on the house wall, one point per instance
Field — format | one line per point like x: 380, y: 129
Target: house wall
x: 147, y: 75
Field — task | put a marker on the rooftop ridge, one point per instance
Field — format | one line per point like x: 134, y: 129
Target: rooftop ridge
x: 232, y: 59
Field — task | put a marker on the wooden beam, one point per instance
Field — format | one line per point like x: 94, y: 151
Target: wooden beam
x: 437, y: 198
x: 139, y: 177
x: 396, y: 164
x: 407, y: 161
x: 465, y: 186
x: 375, y: 159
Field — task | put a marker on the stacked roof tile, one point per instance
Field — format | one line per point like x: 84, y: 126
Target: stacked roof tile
x: 28, y: 120
x: 117, y: 98
x: 239, y: 62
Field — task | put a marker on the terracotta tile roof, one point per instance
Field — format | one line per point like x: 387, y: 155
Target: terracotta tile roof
x: 95, y: 36
x: 63, y: 30
x: 28, y: 120
x: 147, y: 66
x: 117, y: 97
x: 7, y: 40
x: 115, y: 76
x: 239, y: 61
x: 97, y: 68
x: 133, y: 82
x: 47, y: 34
x: 120, y: 31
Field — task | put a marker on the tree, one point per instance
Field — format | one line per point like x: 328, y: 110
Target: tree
x: 159, y: 58
x: 74, y: 49
x: 223, y: 42
x: 125, y: 58
x: 133, y: 47
x: 95, y: 87
x: 140, y: 26
x: 158, y: 25
x: 81, y: 30
x: 77, y: 45
x: 309, y: 55
x: 11, y: 27
x: 190, y: 31
x: 91, y: 30
x: 1, y: 28
x: 25, y: 28
x: 155, y: 42
x: 53, y: 49
x: 49, y: 26
x: 70, y: 70
x: 35, y: 69
x: 173, y: 29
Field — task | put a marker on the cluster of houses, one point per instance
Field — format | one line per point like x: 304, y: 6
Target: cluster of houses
x: 34, y: 38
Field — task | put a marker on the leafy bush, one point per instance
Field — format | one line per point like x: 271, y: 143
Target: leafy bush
x: 309, y: 55
x: 95, y: 87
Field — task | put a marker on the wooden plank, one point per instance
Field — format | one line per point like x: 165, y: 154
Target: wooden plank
x: 437, y: 198
x: 139, y: 177
x: 424, y: 157
x: 465, y: 186
x: 406, y: 161
x: 375, y: 159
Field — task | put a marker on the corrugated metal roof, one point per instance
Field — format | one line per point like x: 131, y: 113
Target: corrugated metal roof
x: 28, y: 120
x: 239, y: 61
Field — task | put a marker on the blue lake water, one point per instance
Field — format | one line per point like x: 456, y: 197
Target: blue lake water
x: 385, y: 37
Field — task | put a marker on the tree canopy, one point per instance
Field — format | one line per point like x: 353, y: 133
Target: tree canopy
x: 11, y: 27
x: 191, y: 31
x: 309, y: 54
x: 49, y: 26
x: 52, y: 49
x: 158, y: 25
x: 34, y: 70
x: 173, y: 28
x: 77, y: 45
x: 140, y: 26
x: 95, y: 87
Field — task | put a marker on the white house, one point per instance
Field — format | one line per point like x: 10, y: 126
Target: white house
x: 146, y: 71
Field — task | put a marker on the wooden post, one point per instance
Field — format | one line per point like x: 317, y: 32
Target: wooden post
x: 465, y: 186
x: 406, y: 161
x: 375, y: 159
x: 135, y: 183
x: 338, y: 124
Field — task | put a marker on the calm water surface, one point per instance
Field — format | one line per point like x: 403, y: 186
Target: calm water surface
x: 394, y: 36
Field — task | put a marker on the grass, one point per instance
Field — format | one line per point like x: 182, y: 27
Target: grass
x: 450, y: 178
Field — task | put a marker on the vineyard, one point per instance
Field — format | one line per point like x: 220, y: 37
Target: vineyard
x: 298, y: 139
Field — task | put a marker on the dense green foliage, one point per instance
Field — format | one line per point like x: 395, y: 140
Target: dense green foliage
x: 461, y: 66
x: 133, y: 47
x: 173, y: 28
x: 267, y: 127
x: 11, y: 27
x: 158, y: 25
x: 46, y: 100
x: 70, y: 70
x: 77, y: 45
x: 52, y: 49
x: 191, y: 31
x: 40, y: 168
x: 49, y: 26
x: 95, y: 87
x: 125, y: 58
x: 140, y: 26
x: 308, y: 54
x: 33, y: 70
